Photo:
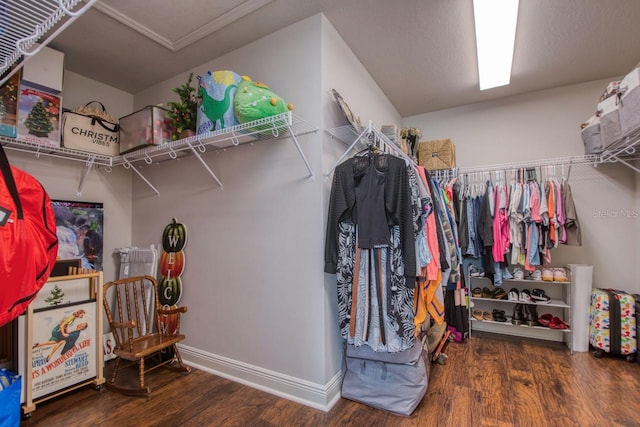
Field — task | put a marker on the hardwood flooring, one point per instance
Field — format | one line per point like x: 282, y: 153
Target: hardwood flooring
x: 490, y: 380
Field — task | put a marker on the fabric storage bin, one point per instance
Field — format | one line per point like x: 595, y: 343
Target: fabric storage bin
x: 437, y: 154
x: 394, y: 382
x: 610, y: 121
x: 145, y: 127
x: 630, y: 103
x: 591, y: 136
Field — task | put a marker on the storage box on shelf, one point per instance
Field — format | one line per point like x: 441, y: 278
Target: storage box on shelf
x: 39, y: 114
x: 609, y: 112
x: 558, y: 306
x: 9, y: 106
x: 145, y: 127
x: 45, y: 69
x: 630, y: 102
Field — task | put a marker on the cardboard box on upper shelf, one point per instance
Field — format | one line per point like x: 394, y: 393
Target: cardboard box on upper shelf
x: 9, y: 105
x: 45, y: 70
x: 39, y: 115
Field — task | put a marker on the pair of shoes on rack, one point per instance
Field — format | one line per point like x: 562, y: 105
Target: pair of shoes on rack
x: 476, y: 314
x: 525, y: 296
x: 525, y: 313
x: 499, y: 293
x: 539, y: 296
x: 476, y: 292
x: 560, y: 275
x: 552, y: 322
x: 486, y: 293
x: 518, y: 273
x: 499, y: 315
x: 514, y: 295
x: 535, y: 275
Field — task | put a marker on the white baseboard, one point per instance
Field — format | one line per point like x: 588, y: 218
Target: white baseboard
x: 318, y: 396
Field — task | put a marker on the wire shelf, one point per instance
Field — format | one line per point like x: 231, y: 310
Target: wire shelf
x: 28, y: 25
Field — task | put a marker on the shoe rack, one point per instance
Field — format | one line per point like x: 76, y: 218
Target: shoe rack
x: 559, y: 306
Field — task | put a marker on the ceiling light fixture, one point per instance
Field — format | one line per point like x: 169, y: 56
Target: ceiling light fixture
x: 495, y: 22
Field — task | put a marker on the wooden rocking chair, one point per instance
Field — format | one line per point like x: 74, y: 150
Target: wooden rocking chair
x: 134, y: 312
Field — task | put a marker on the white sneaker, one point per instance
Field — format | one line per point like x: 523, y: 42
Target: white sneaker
x: 518, y: 273
x: 525, y: 295
x: 514, y: 295
x: 536, y: 275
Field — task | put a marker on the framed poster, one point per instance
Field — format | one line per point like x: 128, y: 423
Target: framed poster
x: 64, y: 292
x: 63, y: 347
x: 79, y: 226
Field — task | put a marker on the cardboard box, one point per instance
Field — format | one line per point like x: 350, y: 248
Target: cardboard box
x: 437, y: 154
x: 9, y: 106
x: 39, y: 115
x: 45, y: 69
x: 145, y: 127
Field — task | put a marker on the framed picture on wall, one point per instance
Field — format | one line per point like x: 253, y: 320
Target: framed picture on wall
x: 79, y: 226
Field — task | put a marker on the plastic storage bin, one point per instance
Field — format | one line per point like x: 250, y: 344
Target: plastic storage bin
x: 145, y: 127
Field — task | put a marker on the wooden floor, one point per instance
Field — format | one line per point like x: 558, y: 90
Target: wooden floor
x: 490, y: 380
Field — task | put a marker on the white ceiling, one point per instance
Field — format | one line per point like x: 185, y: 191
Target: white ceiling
x: 420, y: 52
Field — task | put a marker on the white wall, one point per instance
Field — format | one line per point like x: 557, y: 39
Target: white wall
x: 261, y: 310
x: 254, y: 258
x: 61, y: 178
x: 78, y: 90
x: 546, y: 124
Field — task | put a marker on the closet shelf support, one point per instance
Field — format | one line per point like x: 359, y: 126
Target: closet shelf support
x: 353, y: 144
x: 127, y: 165
x: 208, y: 169
x: 615, y: 159
x: 87, y: 169
x: 304, y: 158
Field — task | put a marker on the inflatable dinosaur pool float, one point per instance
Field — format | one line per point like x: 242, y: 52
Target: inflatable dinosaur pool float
x: 255, y: 100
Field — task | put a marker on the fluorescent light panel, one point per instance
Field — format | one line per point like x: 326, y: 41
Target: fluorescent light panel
x: 495, y: 22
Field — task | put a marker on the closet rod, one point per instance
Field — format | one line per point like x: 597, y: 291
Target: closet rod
x: 557, y: 161
x: 371, y: 131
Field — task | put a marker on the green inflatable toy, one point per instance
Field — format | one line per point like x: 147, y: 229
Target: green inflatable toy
x: 254, y: 100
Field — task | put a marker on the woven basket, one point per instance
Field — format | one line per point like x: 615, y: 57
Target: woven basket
x: 437, y: 154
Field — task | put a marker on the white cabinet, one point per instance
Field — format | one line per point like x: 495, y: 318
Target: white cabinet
x: 559, y: 306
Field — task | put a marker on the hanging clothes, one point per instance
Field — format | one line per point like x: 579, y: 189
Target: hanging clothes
x: 370, y: 245
x: 572, y: 225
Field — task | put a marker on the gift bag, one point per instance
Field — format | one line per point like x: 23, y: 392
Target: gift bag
x: 91, y: 129
x: 216, y: 92
x: 10, y: 387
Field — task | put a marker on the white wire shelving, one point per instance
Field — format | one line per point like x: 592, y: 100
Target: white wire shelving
x: 284, y: 125
x: 28, y: 25
x: 624, y: 151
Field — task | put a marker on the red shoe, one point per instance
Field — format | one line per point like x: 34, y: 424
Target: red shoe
x: 557, y: 323
x: 545, y: 319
